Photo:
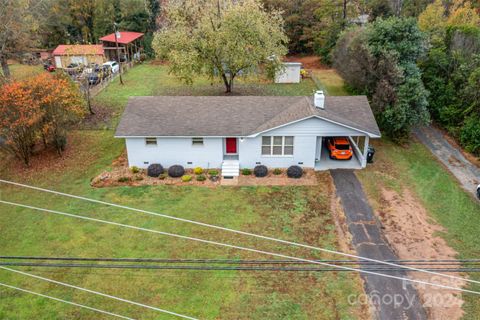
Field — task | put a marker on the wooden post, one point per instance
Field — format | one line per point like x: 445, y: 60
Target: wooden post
x: 118, y: 52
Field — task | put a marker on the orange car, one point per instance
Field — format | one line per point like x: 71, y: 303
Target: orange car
x: 339, y: 148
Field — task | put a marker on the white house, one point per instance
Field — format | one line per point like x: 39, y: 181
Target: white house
x: 245, y: 131
x: 290, y: 73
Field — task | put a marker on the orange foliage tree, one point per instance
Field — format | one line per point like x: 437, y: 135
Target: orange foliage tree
x: 20, y: 116
x: 61, y: 103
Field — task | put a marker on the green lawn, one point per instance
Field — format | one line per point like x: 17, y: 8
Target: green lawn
x: 295, y: 213
x: 330, y: 82
x: 150, y: 80
x: 415, y: 168
x: 24, y: 71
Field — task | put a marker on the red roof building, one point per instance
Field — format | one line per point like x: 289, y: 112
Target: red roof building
x: 66, y: 54
x: 125, y: 37
x: 78, y: 49
x: 129, y: 46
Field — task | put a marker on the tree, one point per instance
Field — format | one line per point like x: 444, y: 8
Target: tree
x: 19, y: 120
x: 219, y: 38
x: 61, y: 103
x: 17, y: 29
x: 380, y: 61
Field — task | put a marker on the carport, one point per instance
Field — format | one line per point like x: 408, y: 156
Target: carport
x: 358, y: 161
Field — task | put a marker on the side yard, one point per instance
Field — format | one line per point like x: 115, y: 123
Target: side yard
x: 410, y: 181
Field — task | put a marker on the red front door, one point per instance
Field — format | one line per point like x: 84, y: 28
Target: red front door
x: 231, y: 145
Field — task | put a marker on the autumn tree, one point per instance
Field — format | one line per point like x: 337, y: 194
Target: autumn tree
x: 219, y: 38
x: 20, y: 116
x: 61, y: 103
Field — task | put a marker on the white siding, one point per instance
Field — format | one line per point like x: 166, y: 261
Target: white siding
x: 170, y: 151
x: 303, y: 151
x: 315, y: 127
x: 290, y: 74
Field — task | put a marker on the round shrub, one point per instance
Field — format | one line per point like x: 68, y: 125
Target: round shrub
x: 260, y: 171
x: 294, y: 172
x: 213, y: 173
x: 176, y: 171
x: 186, y: 178
x: 201, y: 177
x: 277, y: 171
x: 198, y: 170
x: 135, y: 169
x: 154, y: 170
x: 246, y: 171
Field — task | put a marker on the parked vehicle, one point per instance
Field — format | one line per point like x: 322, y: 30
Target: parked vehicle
x: 113, y: 65
x: 48, y: 66
x: 74, y: 69
x: 339, y: 148
x: 93, y: 78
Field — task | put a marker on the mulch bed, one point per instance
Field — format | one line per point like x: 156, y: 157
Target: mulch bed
x: 122, y: 175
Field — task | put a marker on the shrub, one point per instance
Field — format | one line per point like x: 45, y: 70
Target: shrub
x: 294, y: 172
x: 260, y: 171
x: 198, y: 170
x: 246, y: 171
x: 135, y: 169
x: 213, y: 173
x: 176, y: 171
x: 186, y: 178
x: 277, y: 171
x: 124, y: 179
x: 163, y: 176
x: 138, y: 178
x: 154, y: 170
x: 201, y: 177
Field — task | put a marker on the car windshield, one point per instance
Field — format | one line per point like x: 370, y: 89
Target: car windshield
x: 342, y: 146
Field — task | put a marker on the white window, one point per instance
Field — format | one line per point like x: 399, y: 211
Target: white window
x: 277, y: 145
x: 197, y: 141
x: 151, y: 141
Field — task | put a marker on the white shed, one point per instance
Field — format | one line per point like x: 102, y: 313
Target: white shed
x: 290, y: 73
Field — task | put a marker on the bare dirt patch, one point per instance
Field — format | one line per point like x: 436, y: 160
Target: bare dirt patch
x: 308, y: 62
x: 413, y: 236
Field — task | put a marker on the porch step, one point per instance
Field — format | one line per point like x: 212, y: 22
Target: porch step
x: 230, y: 168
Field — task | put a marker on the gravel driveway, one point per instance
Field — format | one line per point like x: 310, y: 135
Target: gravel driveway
x: 466, y: 172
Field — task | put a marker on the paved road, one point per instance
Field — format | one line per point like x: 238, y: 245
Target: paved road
x: 369, y: 242
x: 466, y: 172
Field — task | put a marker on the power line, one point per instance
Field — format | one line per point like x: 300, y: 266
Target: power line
x: 216, y: 267
x: 231, y: 230
x: 240, y: 248
x: 99, y: 293
x: 65, y: 301
x: 241, y: 261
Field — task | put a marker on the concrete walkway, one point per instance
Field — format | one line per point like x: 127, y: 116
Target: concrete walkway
x: 369, y: 242
x: 466, y: 172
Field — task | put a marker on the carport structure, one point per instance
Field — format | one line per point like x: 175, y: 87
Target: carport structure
x: 358, y: 161
x: 349, y: 117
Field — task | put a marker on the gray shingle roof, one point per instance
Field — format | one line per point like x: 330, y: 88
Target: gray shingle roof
x: 236, y: 116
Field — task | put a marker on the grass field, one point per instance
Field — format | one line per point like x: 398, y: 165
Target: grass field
x: 295, y: 213
x: 414, y: 168
x: 23, y: 71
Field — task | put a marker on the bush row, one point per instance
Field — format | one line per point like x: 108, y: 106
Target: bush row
x: 156, y: 170
x: 262, y: 171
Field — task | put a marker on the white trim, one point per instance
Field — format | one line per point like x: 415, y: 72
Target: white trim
x: 319, y: 117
